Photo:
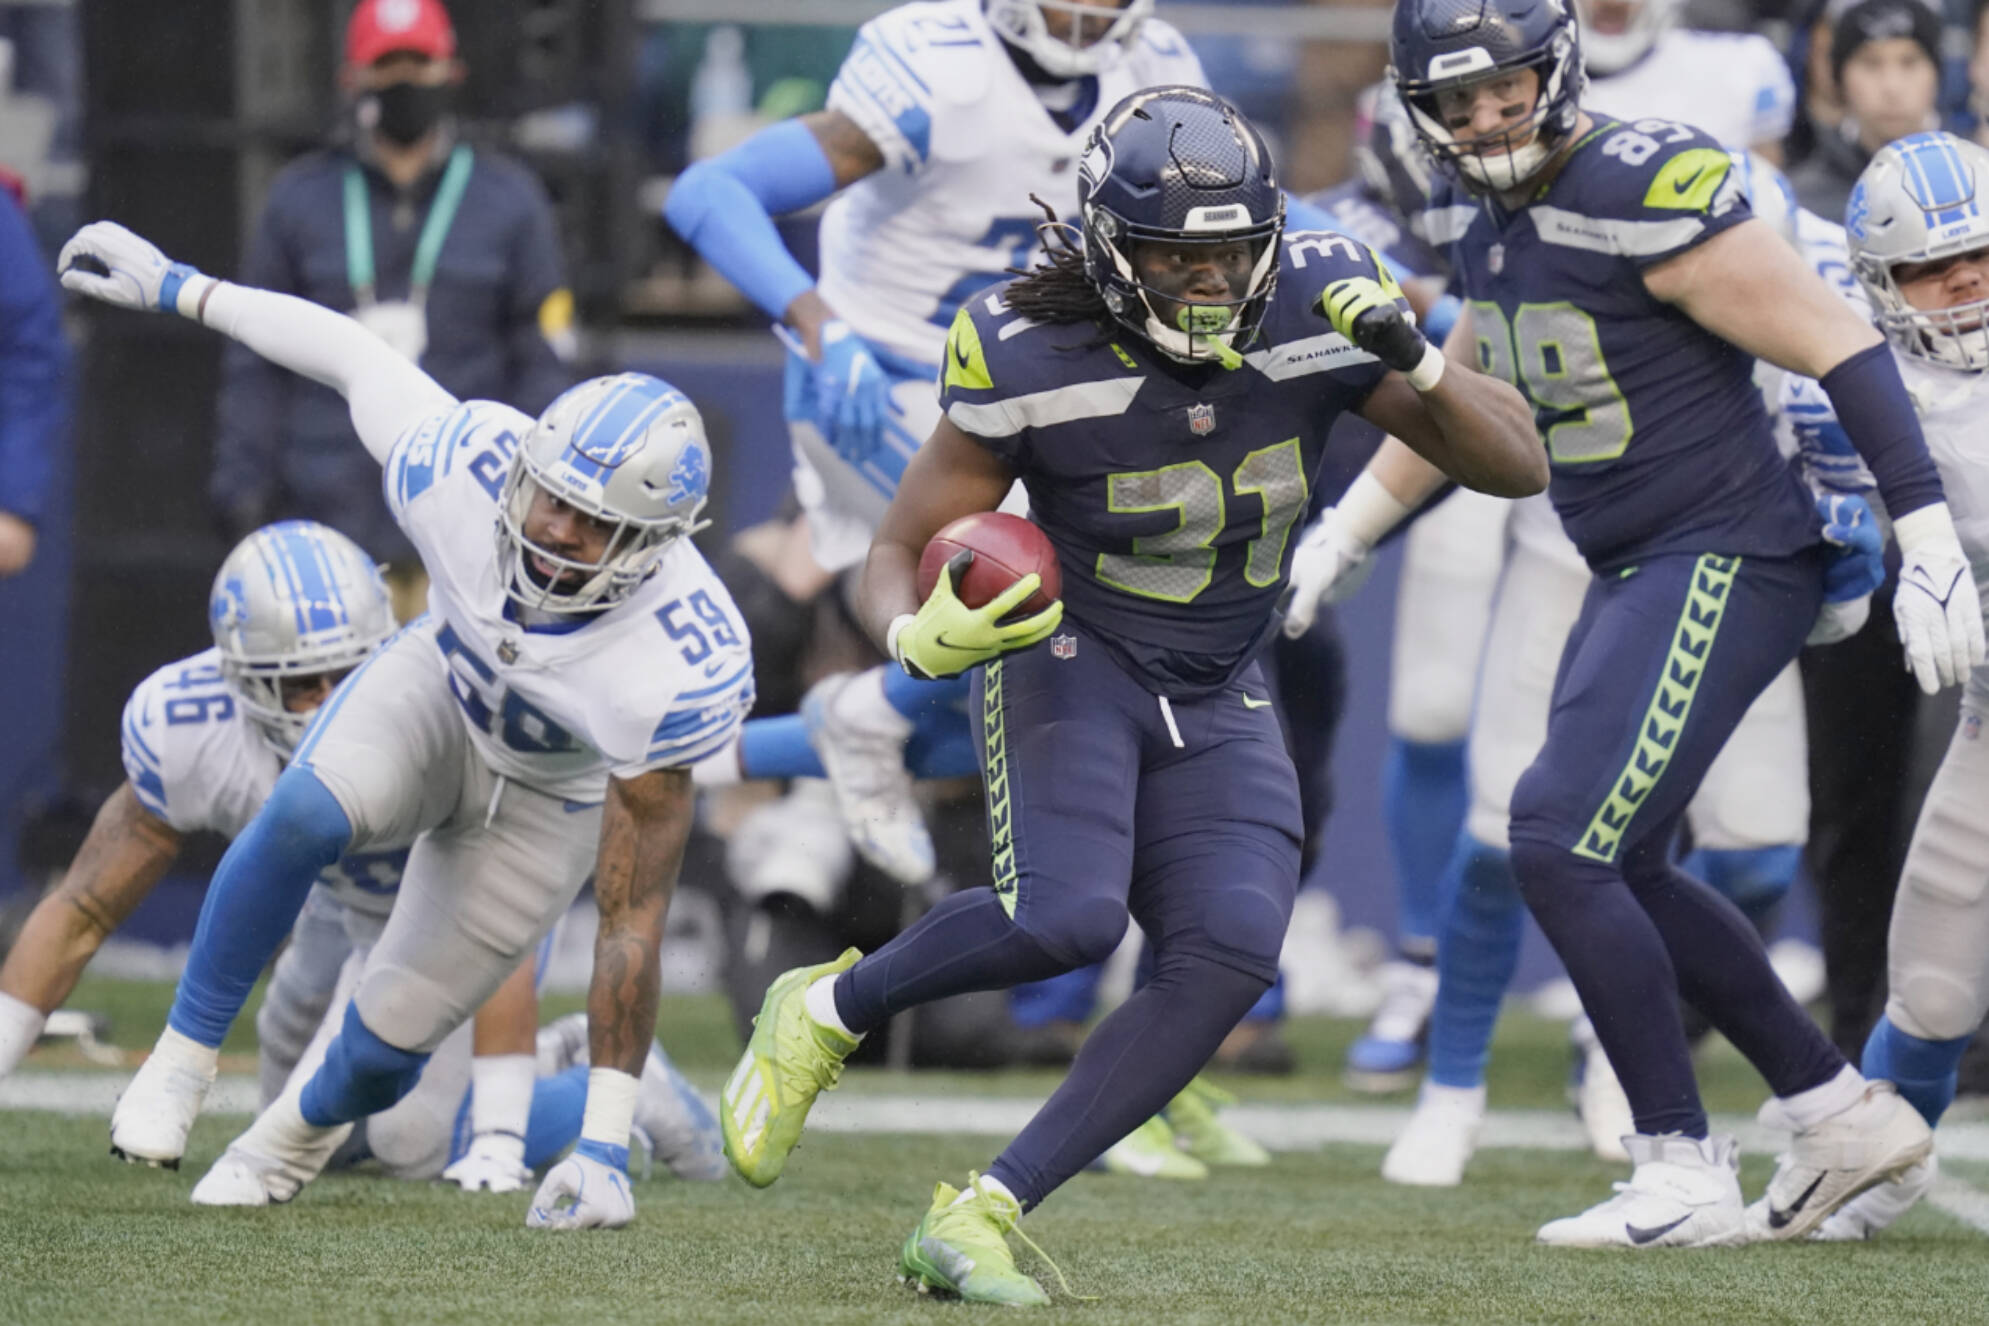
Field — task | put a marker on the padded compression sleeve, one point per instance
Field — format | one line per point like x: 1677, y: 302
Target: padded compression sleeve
x: 1872, y: 405
x: 724, y: 208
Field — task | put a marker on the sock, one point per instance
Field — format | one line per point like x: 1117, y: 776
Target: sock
x: 361, y: 1075
x: 1129, y: 1068
x: 1069, y: 997
x: 501, y: 1092
x: 778, y: 748
x: 1477, y: 953
x: 554, y: 1122
x: 1926, y: 1072
x: 20, y: 1028
x: 820, y: 1001
x: 1754, y: 879
x: 989, y: 1183
x: 1423, y: 800
x: 253, y: 901
x: 966, y: 943
x: 1808, y: 1108
x: 913, y: 698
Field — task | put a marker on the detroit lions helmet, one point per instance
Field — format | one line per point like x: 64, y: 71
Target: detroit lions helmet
x: 1921, y: 199
x: 630, y: 452
x: 1180, y: 165
x: 1644, y: 21
x: 293, y: 600
x: 1437, y: 45
x: 1387, y: 151
x: 1020, y: 23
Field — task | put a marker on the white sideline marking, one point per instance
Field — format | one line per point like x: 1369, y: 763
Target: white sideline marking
x: 1963, y: 1201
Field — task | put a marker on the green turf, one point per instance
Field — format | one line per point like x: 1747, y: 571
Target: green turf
x: 1317, y: 1238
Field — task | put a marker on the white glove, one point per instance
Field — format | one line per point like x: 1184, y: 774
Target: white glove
x: 582, y: 1192
x: 1328, y: 567
x: 495, y: 1162
x: 139, y: 276
x: 1840, y: 621
x: 1937, y: 606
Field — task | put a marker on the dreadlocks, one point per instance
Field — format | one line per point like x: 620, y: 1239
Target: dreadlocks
x: 1057, y: 291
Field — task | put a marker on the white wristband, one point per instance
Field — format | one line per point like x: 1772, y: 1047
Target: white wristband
x: 610, y: 1107
x: 1425, y: 375
x: 897, y: 628
x: 193, y: 295
x: 1367, y: 510
x: 1928, y: 524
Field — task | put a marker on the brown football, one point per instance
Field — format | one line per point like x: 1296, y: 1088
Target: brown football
x: 1006, y: 548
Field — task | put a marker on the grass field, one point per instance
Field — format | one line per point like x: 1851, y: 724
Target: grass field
x: 1319, y: 1237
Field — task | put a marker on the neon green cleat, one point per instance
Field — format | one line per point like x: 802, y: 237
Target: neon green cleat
x: 961, y: 1247
x: 1148, y: 1152
x: 789, y: 1061
x: 1196, y: 1118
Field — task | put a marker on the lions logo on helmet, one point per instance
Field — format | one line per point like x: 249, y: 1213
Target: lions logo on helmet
x: 1180, y: 165
x: 628, y: 451
x: 1021, y: 23
x: 1921, y: 200
x: 294, y: 601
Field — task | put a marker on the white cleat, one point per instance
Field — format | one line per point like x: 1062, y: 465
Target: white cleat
x: 1439, y: 1139
x: 239, y: 1179
x: 1827, y: 1164
x: 562, y: 1043
x: 156, y: 1112
x: 683, y: 1133
x: 1684, y: 1193
x: 1877, y: 1207
x: 862, y: 747
x: 1599, y: 1100
x: 273, y: 1160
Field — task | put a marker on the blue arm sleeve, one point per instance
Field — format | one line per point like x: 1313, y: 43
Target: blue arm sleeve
x: 724, y: 208
x: 34, y: 363
x: 1872, y: 405
x: 1443, y: 316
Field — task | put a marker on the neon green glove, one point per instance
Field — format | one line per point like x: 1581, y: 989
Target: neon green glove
x: 1365, y: 311
x: 945, y: 637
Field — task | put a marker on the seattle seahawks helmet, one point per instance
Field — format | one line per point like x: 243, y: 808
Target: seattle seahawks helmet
x: 1020, y: 23
x: 630, y: 452
x: 1390, y: 157
x: 1437, y: 45
x: 1180, y: 165
x: 1921, y: 199
x: 293, y: 600
x: 1612, y: 52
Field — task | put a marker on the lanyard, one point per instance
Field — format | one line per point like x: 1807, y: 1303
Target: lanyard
x: 434, y: 230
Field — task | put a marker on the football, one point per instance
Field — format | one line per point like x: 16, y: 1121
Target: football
x: 1005, y: 549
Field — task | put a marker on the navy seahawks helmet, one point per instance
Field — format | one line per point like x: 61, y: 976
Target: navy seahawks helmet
x: 1388, y: 152
x: 1180, y: 165
x: 1438, y: 45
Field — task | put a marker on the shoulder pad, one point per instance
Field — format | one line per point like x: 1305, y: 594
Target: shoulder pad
x: 1654, y: 168
x: 939, y: 56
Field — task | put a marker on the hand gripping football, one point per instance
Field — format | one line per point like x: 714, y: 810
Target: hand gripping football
x: 1005, y: 548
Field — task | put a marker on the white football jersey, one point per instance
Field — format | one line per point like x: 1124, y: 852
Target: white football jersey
x: 1733, y: 85
x: 965, y: 140
x: 660, y: 680
x: 196, y: 762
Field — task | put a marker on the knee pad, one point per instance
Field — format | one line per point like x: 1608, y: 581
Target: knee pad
x: 361, y: 1075
x: 1932, y: 1003
x: 1752, y: 879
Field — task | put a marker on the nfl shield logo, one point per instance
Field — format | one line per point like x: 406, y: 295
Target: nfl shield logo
x: 1201, y: 420
x: 1496, y: 259
x: 507, y: 652
x: 1063, y: 646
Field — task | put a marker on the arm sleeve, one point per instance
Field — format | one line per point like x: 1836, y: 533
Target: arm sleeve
x: 1877, y: 415
x: 34, y: 366
x: 386, y: 393
x: 540, y: 306
x: 250, y: 411
x: 724, y: 208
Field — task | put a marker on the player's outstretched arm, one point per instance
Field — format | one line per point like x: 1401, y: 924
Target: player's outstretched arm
x: 386, y: 392
x: 127, y: 850
x: 644, y: 826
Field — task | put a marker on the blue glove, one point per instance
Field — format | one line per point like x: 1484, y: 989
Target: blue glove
x: 1858, y: 567
x: 1829, y: 460
x: 852, y: 395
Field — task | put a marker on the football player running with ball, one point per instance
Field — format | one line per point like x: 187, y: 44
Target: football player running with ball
x: 539, y: 725
x: 1614, y: 272
x: 1164, y: 393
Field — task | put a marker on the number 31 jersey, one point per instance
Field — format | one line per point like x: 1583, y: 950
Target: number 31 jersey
x: 660, y: 680
x: 1657, y: 435
x: 1170, y: 491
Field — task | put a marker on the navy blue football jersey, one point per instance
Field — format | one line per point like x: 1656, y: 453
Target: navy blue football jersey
x: 1657, y: 435
x: 1172, y: 492
x: 1360, y: 213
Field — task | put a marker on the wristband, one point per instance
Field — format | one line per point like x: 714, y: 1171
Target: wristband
x: 1426, y: 374
x: 1924, y: 525
x: 610, y: 1110
x: 185, y: 290
x: 897, y: 628
x: 1367, y: 510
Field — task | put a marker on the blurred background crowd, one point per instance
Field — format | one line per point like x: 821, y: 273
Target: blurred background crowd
x: 488, y: 193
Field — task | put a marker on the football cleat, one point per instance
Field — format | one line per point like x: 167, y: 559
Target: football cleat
x: 156, y: 1112
x: 1598, y: 1096
x: 961, y: 1247
x: 272, y: 1161
x: 1195, y: 1116
x: 863, y: 754
x: 562, y: 1043
x: 790, y: 1060
x: 1827, y: 1164
x: 1877, y: 1207
x: 1149, y: 1152
x: 1440, y: 1137
x: 1388, y: 1057
x: 1684, y: 1193
x: 682, y: 1131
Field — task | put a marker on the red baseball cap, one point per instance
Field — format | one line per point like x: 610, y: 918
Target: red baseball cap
x: 381, y: 27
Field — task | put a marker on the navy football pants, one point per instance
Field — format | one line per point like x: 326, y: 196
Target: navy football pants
x: 1662, y: 663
